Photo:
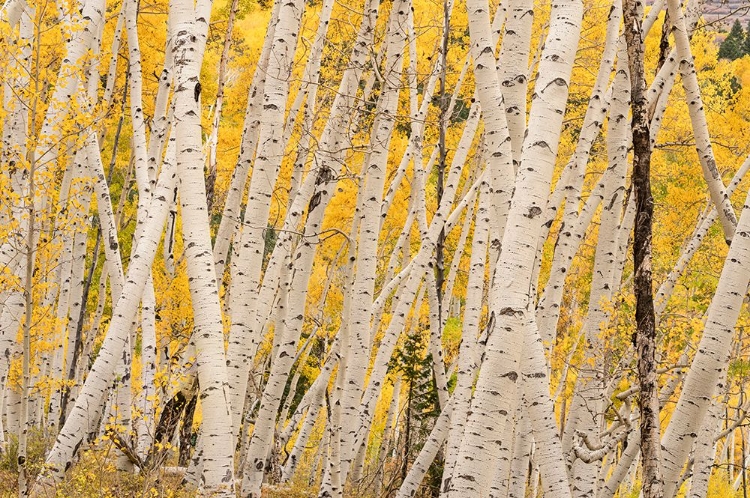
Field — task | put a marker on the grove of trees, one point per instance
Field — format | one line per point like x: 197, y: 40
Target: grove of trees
x: 372, y: 248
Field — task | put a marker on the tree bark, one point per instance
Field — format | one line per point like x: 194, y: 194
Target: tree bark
x: 645, y: 338
x: 190, y: 28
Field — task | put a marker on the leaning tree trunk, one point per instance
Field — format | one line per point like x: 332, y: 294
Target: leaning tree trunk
x: 231, y: 214
x: 589, y: 399
x: 248, y: 250
x: 698, y: 119
x: 498, y: 375
x: 703, y: 375
x: 89, y: 401
x: 374, y: 173
x: 190, y: 27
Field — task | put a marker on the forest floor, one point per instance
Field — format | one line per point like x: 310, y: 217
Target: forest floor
x: 95, y: 475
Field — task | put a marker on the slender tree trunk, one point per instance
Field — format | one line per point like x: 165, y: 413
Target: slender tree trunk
x: 213, y: 138
x: 314, y: 399
x: 30, y: 201
x: 248, y: 250
x: 645, y: 339
x: 190, y: 27
x: 89, y: 401
x: 571, y: 182
x: 590, y: 399
x: 231, y: 215
x: 698, y: 119
x: 499, y: 372
x: 703, y: 375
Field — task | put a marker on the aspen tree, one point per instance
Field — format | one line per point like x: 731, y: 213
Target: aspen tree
x: 707, y: 219
x: 256, y: 316
x: 29, y: 203
x: 698, y: 119
x: 705, y: 450
x: 519, y: 466
x: 498, y: 434
x: 369, y: 226
x: 407, y: 294
x: 470, y: 332
x: 335, y: 126
x: 548, y: 308
x: 150, y: 164
x: 427, y: 454
x: 87, y: 20
x: 69, y: 303
x: 313, y: 399
x: 248, y: 249
x: 89, y: 401
x: 435, y: 346
x: 14, y: 152
x: 702, y: 377
x: 145, y: 174
x: 190, y: 27
x: 499, y: 371
x: 512, y: 68
x: 218, y: 106
x: 589, y: 402
x: 488, y: 92
x: 230, y: 219
x: 455, y: 263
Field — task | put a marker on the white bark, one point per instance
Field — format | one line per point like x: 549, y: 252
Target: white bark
x: 369, y: 227
x: 15, y: 130
x: 698, y: 118
x: 90, y: 398
x: 661, y: 297
x: 405, y: 297
x: 519, y: 467
x: 230, y: 219
x: 467, y: 360
x: 190, y: 28
x: 705, y: 452
x: 88, y: 18
x: 548, y: 309
x: 499, y: 372
x: 513, y: 71
x: 716, y: 340
x: 388, y: 438
x: 248, y: 250
x: 68, y: 306
x: 589, y: 401
x: 313, y: 400
x: 435, y: 347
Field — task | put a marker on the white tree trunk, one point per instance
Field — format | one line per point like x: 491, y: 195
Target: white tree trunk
x: 230, y: 219
x: 190, y: 27
x: 89, y: 401
x: 702, y: 378
x: 589, y: 401
x: 467, y: 356
x: 698, y: 118
x: 374, y: 174
x: 499, y: 371
x: 248, y: 250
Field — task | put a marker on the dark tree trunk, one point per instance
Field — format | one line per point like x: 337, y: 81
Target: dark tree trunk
x: 645, y: 334
x: 186, y: 433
